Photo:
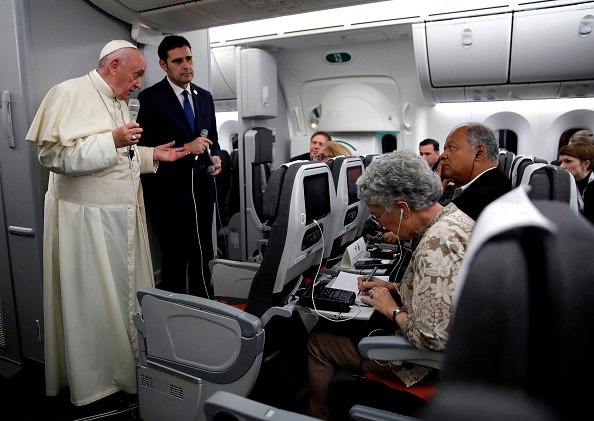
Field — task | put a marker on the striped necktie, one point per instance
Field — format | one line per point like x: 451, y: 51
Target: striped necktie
x: 188, y: 110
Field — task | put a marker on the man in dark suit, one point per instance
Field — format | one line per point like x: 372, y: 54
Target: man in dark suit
x: 470, y: 159
x: 180, y: 198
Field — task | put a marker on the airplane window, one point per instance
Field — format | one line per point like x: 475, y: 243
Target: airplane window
x: 508, y: 139
x: 388, y: 143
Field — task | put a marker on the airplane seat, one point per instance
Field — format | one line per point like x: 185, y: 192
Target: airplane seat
x: 368, y: 158
x: 261, y: 171
x: 223, y: 186
x: 511, y: 323
x: 550, y: 182
x: 545, y: 269
x: 247, y: 225
x: 191, y: 347
x: 519, y: 164
x: 225, y: 406
x: 232, y: 195
x: 345, y: 172
x: 506, y: 159
x: 365, y: 224
x: 232, y: 280
x: 179, y: 362
x: 301, y: 208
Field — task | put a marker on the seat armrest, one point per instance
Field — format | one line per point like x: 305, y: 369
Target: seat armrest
x: 397, y: 348
x: 225, y: 403
x: 284, y: 311
x: 232, y: 279
x: 367, y: 413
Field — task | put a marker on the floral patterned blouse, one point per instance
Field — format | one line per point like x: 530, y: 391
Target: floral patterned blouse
x: 428, y: 286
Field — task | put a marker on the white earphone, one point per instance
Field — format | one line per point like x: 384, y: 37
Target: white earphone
x: 401, y: 212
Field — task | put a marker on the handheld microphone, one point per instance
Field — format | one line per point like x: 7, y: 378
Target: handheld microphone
x: 211, y: 168
x: 134, y: 108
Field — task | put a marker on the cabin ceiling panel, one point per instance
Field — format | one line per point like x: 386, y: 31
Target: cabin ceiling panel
x: 347, y: 38
x: 328, y: 39
x: 179, y: 18
x: 142, y: 5
x: 174, y: 16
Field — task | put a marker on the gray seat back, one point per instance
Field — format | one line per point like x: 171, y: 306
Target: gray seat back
x: 518, y: 166
x: 180, y: 364
x: 295, y: 242
x: 550, y: 182
x: 521, y: 330
x: 506, y: 158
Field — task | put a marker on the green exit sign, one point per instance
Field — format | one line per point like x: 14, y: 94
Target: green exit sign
x: 335, y: 58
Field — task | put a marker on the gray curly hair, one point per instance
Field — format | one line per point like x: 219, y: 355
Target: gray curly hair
x: 399, y: 175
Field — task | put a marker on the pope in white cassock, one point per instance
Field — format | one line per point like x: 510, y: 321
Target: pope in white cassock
x: 95, y: 248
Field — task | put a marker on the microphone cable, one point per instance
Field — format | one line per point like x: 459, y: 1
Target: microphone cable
x: 203, y: 133
x: 198, y: 229
x: 220, y: 220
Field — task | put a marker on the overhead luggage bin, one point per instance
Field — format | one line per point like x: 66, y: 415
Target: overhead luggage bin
x: 469, y: 51
x: 553, y: 44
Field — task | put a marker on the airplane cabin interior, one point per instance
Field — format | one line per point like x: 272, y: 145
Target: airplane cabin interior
x: 378, y: 76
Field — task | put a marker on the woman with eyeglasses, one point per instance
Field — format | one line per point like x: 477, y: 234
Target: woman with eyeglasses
x: 331, y: 150
x: 403, y: 195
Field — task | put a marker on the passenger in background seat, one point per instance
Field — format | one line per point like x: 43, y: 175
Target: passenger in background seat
x: 316, y: 142
x: 470, y: 159
x: 578, y: 159
x: 429, y: 150
x: 581, y: 136
x: 402, y: 193
x: 332, y: 150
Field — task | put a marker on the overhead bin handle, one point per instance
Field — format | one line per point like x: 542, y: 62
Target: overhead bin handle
x: 467, y: 38
x: 7, y: 118
x: 586, y: 24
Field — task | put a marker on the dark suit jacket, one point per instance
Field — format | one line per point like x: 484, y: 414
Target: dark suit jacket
x: 484, y: 189
x: 162, y: 118
x: 303, y: 156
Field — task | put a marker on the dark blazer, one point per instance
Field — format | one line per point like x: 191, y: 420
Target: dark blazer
x: 483, y: 190
x: 304, y: 156
x: 162, y: 118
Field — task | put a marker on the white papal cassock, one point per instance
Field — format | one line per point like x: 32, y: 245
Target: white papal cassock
x: 95, y: 246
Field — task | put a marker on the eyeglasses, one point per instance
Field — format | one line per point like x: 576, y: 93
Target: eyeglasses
x: 322, y: 156
x: 376, y: 219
